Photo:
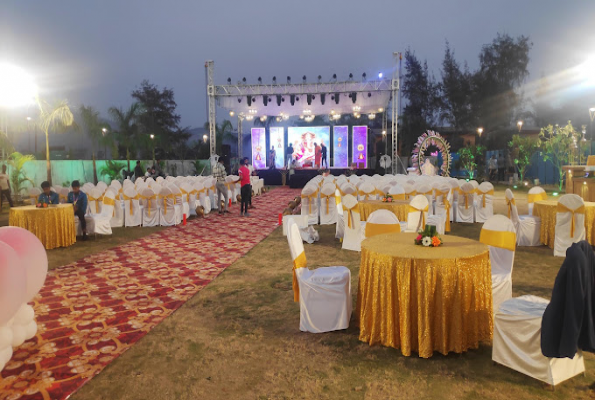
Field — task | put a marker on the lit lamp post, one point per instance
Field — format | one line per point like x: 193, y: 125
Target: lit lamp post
x: 104, y: 132
x: 385, y: 142
x: 153, y: 145
x: 519, y: 125
x: 29, y: 129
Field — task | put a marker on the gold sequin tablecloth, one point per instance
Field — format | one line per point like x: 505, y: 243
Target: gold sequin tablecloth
x: 423, y: 299
x: 54, y: 226
x: 398, y: 207
x: 547, y: 210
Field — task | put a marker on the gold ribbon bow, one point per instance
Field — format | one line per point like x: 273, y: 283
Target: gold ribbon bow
x: 299, y: 262
x: 447, y: 208
x: 185, y: 193
x: 165, y: 197
x: 130, y: 199
x: 502, y: 239
x: 110, y: 202
x: 373, y: 229
x: 533, y: 197
x: 350, y: 216
x: 327, y: 197
x: 562, y: 209
x: 411, y: 194
x: 309, y: 197
x: 96, y: 200
x: 510, y: 203
x: 423, y: 212
x: 483, y: 194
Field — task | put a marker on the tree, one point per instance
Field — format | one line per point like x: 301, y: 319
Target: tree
x: 53, y: 117
x: 159, y: 116
x: 6, y: 146
x: 112, y: 169
x: 457, y: 91
x: 469, y: 157
x: 126, y: 126
x: 94, y: 128
x: 225, y: 132
x: 522, y: 150
x: 559, y: 144
x: 17, y: 176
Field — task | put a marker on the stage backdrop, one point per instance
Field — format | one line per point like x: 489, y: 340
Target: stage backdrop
x: 277, y: 141
x: 340, y: 147
x: 259, y: 147
x: 303, y: 139
x: 360, y: 146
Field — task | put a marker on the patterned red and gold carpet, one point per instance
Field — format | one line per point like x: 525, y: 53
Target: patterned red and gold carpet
x: 92, y: 311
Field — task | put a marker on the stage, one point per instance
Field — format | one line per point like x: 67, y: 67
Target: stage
x: 304, y: 175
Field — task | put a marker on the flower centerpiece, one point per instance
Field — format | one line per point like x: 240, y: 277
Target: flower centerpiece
x: 43, y: 204
x: 387, y: 198
x: 428, y: 237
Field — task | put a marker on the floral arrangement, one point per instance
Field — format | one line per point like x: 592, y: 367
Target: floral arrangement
x: 387, y: 198
x: 428, y: 237
x: 42, y: 205
x: 427, y: 139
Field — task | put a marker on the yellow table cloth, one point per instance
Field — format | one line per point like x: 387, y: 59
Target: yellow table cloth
x: 54, y: 226
x: 424, y: 299
x: 398, y: 207
x: 547, y: 209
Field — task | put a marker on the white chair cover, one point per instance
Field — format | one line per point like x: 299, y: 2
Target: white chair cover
x: 117, y: 220
x: 132, y: 212
x: 328, y: 204
x: 187, y: 198
x: 178, y: 203
x: 367, y: 191
x: 324, y: 294
x: 527, y: 226
x: 535, y: 194
x: 340, y: 227
x: 102, y: 221
x: 203, y: 197
x: 418, y: 214
x: 310, y: 203
x: 351, y: 223
x: 499, y: 234
x: 150, y: 203
x: 517, y: 342
x: 570, y: 223
x: 94, y: 201
x: 167, y: 210
x: 380, y: 222
x: 484, y: 206
x: 465, y: 203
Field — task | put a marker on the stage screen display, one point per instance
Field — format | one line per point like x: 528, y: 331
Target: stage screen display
x: 277, y: 141
x: 340, y: 147
x: 259, y: 147
x: 360, y: 146
x: 303, y: 138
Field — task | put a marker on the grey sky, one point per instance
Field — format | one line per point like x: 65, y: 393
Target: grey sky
x: 96, y: 52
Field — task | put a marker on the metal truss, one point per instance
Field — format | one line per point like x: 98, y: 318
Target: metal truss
x: 209, y: 66
x: 395, y: 111
x: 383, y: 85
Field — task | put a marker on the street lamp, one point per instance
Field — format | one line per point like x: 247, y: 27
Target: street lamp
x: 29, y: 129
x: 104, y: 132
x: 204, y: 138
x: 385, y: 141
x: 519, y: 125
x: 153, y: 142
x: 479, y: 131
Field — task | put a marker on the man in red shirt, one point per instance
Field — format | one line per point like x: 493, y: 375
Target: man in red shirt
x: 246, y: 191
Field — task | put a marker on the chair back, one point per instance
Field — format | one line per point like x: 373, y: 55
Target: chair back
x: 167, y: 199
x: 338, y: 202
x: 570, y: 216
x: 513, y: 213
x: 499, y: 233
x: 535, y: 194
x: 149, y: 201
x: 186, y: 189
x: 296, y: 248
x: 348, y: 188
x: 131, y: 202
x: 367, y: 191
x: 327, y: 198
x: 108, y: 204
x: 381, y: 222
x: 351, y: 211
x: 485, y: 191
x: 418, y: 213
x: 397, y: 192
x: 467, y: 193
x: 102, y: 186
x: 177, y: 193
x: 409, y: 190
x: 309, y: 199
x: 95, y: 200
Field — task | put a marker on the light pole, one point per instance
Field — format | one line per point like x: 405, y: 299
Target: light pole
x: 29, y: 129
x: 153, y: 145
x: 385, y: 141
x: 104, y: 132
x: 519, y: 125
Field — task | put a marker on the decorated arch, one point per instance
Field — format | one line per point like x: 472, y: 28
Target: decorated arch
x: 427, y: 139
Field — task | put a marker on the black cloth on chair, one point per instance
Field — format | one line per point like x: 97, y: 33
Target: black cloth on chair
x: 568, y: 321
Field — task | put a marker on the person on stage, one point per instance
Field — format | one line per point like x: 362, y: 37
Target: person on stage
x: 317, y: 154
x: 289, y: 154
x: 272, y: 155
x: 79, y: 201
x: 324, y: 162
x: 48, y: 196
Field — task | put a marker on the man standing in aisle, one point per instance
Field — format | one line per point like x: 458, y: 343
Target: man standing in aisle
x: 246, y: 191
x: 220, y: 174
x: 5, y: 187
x: 79, y: 201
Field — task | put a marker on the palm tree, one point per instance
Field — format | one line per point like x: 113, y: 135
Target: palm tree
x: 222, y: 132
x: 95, y: 129
x: 55, y: 116
x: 126, y: 126
x: 17, y: 177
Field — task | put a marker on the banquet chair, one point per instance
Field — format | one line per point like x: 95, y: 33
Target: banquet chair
x: 484, y: 206
x: 34, y: 195
x: 212, y: 192
x: 231, y: 187
x: 397, y: 192
x: 443, y: 209
x: 117, y: 220
x: 167, y: 211
x: 535, y: 194
x: 465, y: 203
x: 63, y: 195
x: 324, y: 294
x: 456, y: 189
x: 310, y: 203
x: 410, y: 191
x: 94, y: 203
x: 381, y: 222
x: 87, y: 187
x: 178, y: 202
x: 426, y: 190
x: 366, y: 191
x: 328, y: 204
x: 186, y: 190
x: 570, y: 223
x: 102, y: 186
x: 132, y: 212
x: 351, y: 223
x: 340, y: 227
x: 202, y: 197
x: 527, y: 226
x: 417, y: 215
x: 102, y: 221
x: 499, y: 234
x: 150, y: 209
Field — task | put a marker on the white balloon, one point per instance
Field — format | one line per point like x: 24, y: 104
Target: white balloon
x: 5, y: 356
x: 18, y: 335
x: 31, y: 330
x: 5, y: 337
x: 24, y: 315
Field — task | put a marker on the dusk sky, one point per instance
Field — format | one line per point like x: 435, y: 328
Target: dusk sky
x: 96, y: 52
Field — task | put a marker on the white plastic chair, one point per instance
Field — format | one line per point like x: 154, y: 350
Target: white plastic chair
x: 328, y: 204
x: 351, y: 223
x: 484, y: 206
x: 535, y: 194
x: 465, y: 203
x: 150, y: 209
x: 499, y: 234
x: 418, y: 214
x: 527, y: 226
x: 324, y: 294
x: 381, y: 222
x: 310, y: 203
x: 132, y: 212
x: 570, y: 223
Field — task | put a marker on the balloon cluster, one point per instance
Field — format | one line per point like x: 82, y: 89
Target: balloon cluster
x: 23, y: 269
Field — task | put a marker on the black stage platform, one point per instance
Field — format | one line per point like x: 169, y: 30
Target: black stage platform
x: 303, y: 176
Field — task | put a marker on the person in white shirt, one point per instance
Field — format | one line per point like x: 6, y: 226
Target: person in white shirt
x: 5, y: 187
x: 493, y: 167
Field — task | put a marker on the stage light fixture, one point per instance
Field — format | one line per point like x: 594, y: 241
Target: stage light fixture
x: 229, y: 81
x: 380, y: 75
x: 263, y: 118
x: 249, y: 117
x: 231, y: 113
x: 380, y: 109
x: 265, y: 100
x: 270, y: 99
x: 304, y: 78
x: 301, y: 117
x: 278, y: 119
x: 313, y: 97
x: 332, y: 112
x: 278, y: 100
x: 283, y: 99
x: 371, y: 116
x: 288, y: 79
x: 239, y: 99
x: 260, y: 80
x: 335, y: 76
x: 364, y: 76
x: 350, y: 76
x: 307, y: 111
x: 369, y: 94
x: 356, y: 115
x: 292, y: 99
x: 249, y: 100
x: 309, y: 99
x: 319, y: 78
x: 356, y: 108
x: 322, y: 98
x: 297, y: 98
x: 333, y: 97
x: 354, y: 97
x: 337, y: 98
x: 274, y: 79
x: 244, y: 79
x: 252, y: 111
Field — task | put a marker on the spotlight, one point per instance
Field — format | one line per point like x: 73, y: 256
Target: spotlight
x: 357, y: 115
x: 350, y: 76
x: 332, y: 112
x: 231, y: 113
x: 380, y: 109
x: 244, y: 79
x: 288, y: 79
x: 283, y: 99
x: 319, y: 78
x: 304, y: 78
x: 356, y: 108
x: 313, y: 97
x: 278, y: 100
x: 292, y: 99
x: 253, y: 98
x: 301, y: 117
x: 369, y: 94
x: 274, y: 79
x: 335, y: 76
x: 354, y: 97
x: 297, y: 98
x: 263, y: 118
x: 239, y: 99
x: 337, y: 98
x: 307, y: 111
x: 249, y: 100
x: 260, y: 80
x: 265, y: 100
x: 252, y: 111
x: 364, y: 76
x: 278, y: 119
x: 380, y: 75
x: 333, y: 97
x: 249, y: 117
x: 309, y: 99
x: 322, y: 98
x: 229, y: 81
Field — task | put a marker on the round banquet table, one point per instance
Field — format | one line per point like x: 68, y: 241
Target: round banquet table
x: 398, y: 207
x: 54, y: 226
x: 424, y: 299
x: 547, y: 210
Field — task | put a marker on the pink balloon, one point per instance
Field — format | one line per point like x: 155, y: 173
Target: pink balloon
x: 33, y: 256
x: 13, y: 283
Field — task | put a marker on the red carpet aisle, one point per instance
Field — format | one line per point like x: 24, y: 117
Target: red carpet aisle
x: 92, y: 311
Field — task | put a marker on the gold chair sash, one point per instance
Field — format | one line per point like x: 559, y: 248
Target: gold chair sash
x: 561, y: 208
x: 483, y: 194
x: 165, y: 197
x: 510, y: 203
x: 327, y: 197
x: 185, y: 193
x: 373, y: 229
x: 299, y: 262
x: 400, y: 196
x: 355, y: 209
x: 411, y: 194
x: 148, y: 198
x: 423, y: 212
x: 309, y: 197
x: 96, y: 200
x: 447, y: 209
x: 337, y: 199
x: 131, y: 198
x: 502, y: 239
x: 533, y: 197
x: 110, y: 202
